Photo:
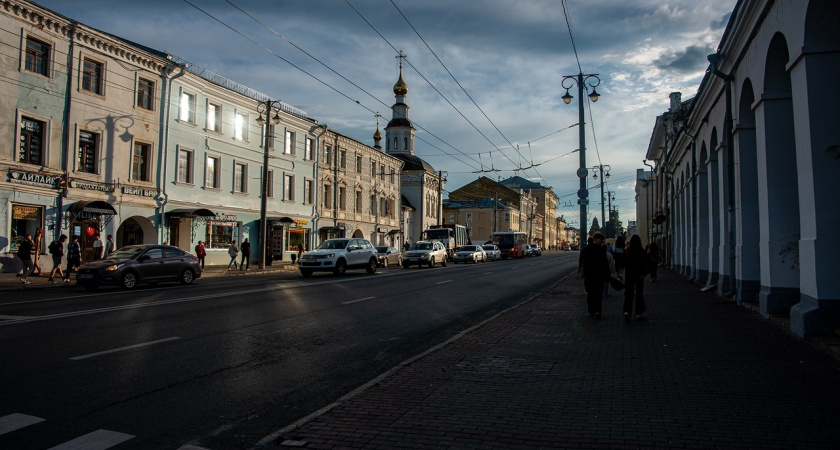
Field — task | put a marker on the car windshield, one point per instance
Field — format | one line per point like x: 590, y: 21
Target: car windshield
x: 125, y: 253
x: 467, y: 248
x: 488, y: 247
x: 382, y: 249
x: 422, y: 246
x: 335, y: 244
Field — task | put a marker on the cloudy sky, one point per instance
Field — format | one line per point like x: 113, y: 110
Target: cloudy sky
x: 508, y: 57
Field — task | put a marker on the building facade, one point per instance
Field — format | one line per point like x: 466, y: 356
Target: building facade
x: 744, y: 172
x: 544, y: 214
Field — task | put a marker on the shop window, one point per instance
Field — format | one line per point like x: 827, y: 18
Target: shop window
x: 221, y: 234
x: 295, y: 237
x: 25, y: 220
x: 88, y: 143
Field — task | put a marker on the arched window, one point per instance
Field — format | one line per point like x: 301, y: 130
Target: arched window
x: 405, y: 141
x: 395, y: 143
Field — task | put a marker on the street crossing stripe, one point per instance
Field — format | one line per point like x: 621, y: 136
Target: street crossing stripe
x: 98, y: 440
x: 91, y: 355
x: 357, y: 301
x: 17, y: 421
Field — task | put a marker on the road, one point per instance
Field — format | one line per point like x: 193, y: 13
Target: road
x: 223, y: 363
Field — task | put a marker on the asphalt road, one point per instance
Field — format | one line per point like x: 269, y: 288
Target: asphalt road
x: 223, y: 363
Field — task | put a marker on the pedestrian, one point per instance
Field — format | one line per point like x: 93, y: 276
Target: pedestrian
x: 233, y: 251
x: 618, y: 256
x: 39, y: 238
x: 653, y: 255
x: 407, y: 245
x: 56, y: 249
x: 110, y: 245
x: 637, y: 266
x: 24, y: 252
x: 246, y: 255
x: 300, y: 251
x: 201, y: 253
x: 611, y: 261
x: 74, y: 258
x: 98, y: 247
x: 596, y: 271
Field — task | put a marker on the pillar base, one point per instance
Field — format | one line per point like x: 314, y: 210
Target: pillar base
x: 748, y: 291
x: 814, y: 317
x: 777, y: 300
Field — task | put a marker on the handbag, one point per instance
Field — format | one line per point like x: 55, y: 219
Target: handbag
x: 616, y: 283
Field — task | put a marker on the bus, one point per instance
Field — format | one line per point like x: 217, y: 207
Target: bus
x: 511, y: 243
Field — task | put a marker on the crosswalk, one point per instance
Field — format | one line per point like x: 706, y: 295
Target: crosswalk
x: 96, y: 440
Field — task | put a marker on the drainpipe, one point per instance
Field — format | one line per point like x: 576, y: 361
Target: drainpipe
x: 316, y: 183
x: 164, y: 144
x: 730, y: 168
x: 66, y: 135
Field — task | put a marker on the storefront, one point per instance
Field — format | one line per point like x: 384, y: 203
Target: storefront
x: 85, y: 220
x: 187, y: 226
x: 285, y: 235
x: 26, y: 219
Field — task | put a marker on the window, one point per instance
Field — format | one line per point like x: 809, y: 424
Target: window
x: 211, y: 173
x: 358, y: 201
x: 26, y: 219
x: 269, y: 188
x: 187, y: 109
x: 185, y: 166
x: 288, y: 188
x: 31, y: 141
x: 240, y: 178
x: 341, y: 200
x: 37, y: 58
x: 214, y: 117
x: 327, y: 196
x: 241, y: 127
x: 145, y: 93
x: 358, y: 163
x: 308, y: 192
x: 469, y: 217
x: 221, y: 234
x: 92, y: 77
x: 395, y: 143
x: 308, y: 152
x: 297, y: 236
x: 342, y: 158
x: 507, y: 217
x: 140, y: 162
x: 405, y: 141
x: 327, y: 155
x: 392, y: 175
x: 373, y: 205
x: 290, y: 143
x: 372, y: 168
x: 382, y: 173
x: 87, y: 151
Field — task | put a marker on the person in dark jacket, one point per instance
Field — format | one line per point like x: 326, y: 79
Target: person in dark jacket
x: 619, y: 256
x: 636, y: 267
x: 596, y: 272
x: 74, y: 258
x: 246, y: 255
x: 653, y: 256
x: 57, y: 253
x: 24, y: 252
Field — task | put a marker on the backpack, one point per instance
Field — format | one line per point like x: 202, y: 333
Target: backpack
x: 53, y: 248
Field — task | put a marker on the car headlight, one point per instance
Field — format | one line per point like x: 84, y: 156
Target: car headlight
x: 111, y: 268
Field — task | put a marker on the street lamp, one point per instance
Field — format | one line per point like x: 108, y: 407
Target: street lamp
x: 582, y: 80
x: 265, y: 108
x: 602, y: 168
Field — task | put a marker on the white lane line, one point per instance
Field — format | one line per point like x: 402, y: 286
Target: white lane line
x: 14, y: 317
x: 91, y: 355
x: 98, y: 440
x: 17, y: 421
x: 444, y: 282
x: 487, y: 273
x: 357, y: 301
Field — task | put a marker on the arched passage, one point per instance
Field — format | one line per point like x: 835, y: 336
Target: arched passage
x: 135, y: 230
x: 778, y: 186
x: 748, y: 270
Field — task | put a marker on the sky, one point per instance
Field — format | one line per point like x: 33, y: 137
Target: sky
x: 485, y: 77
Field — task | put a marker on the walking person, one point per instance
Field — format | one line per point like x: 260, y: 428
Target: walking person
x: 24, y: 252
x: 98, y: 247
x: 56, y: 249
x: 110, y: 245
x: 619, y: 256
x: 201, y: 253
x: 300, y: 251
x: 74, y: 258
x: 611, y: 262
x: 39, y: 243
x: 596, y: 272
x: 637, y: 264
x: 233, y: 251
x: 246, y: 255
x: 653, y: 255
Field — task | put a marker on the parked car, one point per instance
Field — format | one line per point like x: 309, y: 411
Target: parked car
x: 425, y: 252
x: 388, y: 256
x: 469, y: 253
x: 567, y: 248
x: 534, y: 250
x: 135, y: 264
x: 338, y: 255
x: 493, y: 252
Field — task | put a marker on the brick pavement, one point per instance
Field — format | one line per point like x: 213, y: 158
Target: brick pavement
x: 701, y: 372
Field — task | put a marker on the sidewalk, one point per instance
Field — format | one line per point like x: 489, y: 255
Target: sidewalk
x: 11, y: 281
x: 700, y: 372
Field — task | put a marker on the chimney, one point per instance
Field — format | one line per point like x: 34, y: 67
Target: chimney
x: 676, y: 101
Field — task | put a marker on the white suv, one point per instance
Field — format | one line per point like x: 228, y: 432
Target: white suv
x: 425, y: 252
x: 338, y: 255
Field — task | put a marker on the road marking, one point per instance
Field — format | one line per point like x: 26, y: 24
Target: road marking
x: 17, y: 421
x: 357, y: 301
x: 444, y: 282
x: 91, y: 355
x: 98, y: 440
x: 14, y: 317
x: 487, y: 273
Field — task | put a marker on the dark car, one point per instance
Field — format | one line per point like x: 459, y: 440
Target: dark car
x: 140, y: 263
x: 388, y: 256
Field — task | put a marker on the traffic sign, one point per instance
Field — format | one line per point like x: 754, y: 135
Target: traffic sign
x: 583, y: 201
x: 582, y: 172
x: 582, y: 193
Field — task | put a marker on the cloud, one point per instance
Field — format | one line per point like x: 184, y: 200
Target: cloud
x: 689, y: 60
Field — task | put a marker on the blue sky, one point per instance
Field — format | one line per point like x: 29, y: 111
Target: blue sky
x: 508, y: 55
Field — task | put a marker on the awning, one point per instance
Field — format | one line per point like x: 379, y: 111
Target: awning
x: 281, y: 219
x: 394, y: 231
x: 329, y: 229
x: 190, y: 212
x: 93, y: 207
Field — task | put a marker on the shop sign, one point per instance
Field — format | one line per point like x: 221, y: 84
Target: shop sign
x: 26, y: 213
x: 91, y: 186
x: 301, y: 223
x: 226, y: 217
x: 33, y: 179
x: 140, y: 192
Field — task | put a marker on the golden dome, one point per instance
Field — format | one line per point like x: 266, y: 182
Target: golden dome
x: 400, y: 89
x: 377, y: 136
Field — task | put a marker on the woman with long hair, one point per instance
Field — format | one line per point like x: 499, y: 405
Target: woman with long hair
x: 636, y: 263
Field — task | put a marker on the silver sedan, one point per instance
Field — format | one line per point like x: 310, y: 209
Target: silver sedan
x: 469, y: 253
x: 493, y: 252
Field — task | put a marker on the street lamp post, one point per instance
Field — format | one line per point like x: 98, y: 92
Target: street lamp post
x: 265, y: 108
x: 582, y: 80
x: 604, y: 177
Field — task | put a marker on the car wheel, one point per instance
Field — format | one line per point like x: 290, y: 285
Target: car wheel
x: 385, y: 262
x: 187, y: 276
x: 431, y: 262
x: 405, y: 265
x: 371, y: 268
x: 340, y: 268
x: 91, y: 286
x: 306, y: 272
x: 399, y: 261
x: 128, y: 280
x: 444, y: 262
